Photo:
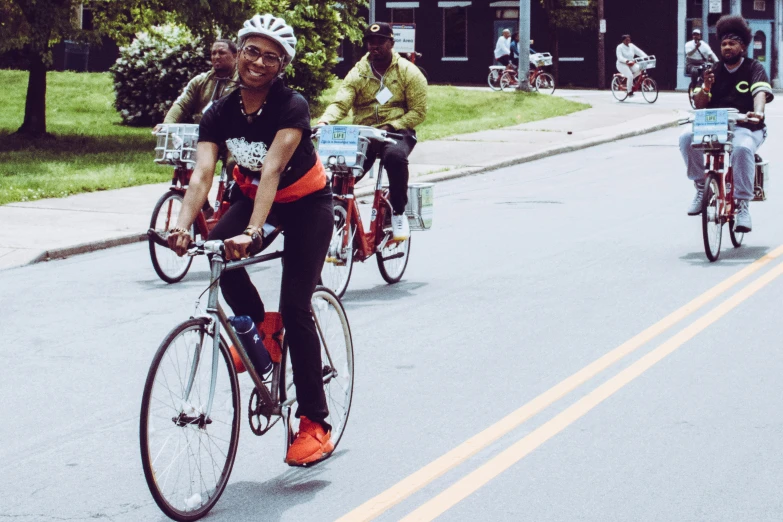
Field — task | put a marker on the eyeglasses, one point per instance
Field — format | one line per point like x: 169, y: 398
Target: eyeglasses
x: 267, y: 59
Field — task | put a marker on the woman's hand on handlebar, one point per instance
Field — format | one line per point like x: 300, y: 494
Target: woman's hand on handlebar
x: 755, y: 117
x: 237, y: 247
x: 179, y: 241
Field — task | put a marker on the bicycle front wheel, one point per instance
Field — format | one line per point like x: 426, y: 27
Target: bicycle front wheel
x: 189, y: 425
x: 711, y: 218
x: 649, y: 90
x: 334, y: 334
x: 167, y: 264
x: 690, y: 97
x: 339, y: 259
x: 393, y: 258
x: 545, y: 83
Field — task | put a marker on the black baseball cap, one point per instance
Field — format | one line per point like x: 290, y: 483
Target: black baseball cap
x: 379, y: 29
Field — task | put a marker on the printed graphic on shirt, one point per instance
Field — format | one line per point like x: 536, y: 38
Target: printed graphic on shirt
x: 248, y: 155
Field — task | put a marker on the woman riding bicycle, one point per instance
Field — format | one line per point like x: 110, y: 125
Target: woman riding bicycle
x: 266, y: 127
x: 626, y: 65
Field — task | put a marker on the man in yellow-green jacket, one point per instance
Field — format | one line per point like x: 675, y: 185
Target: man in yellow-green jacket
x: 390, y: 93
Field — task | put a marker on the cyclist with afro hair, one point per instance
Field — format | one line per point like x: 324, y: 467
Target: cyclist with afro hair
x: 735, y: 82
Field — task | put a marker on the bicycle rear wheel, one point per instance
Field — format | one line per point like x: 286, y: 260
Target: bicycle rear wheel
x: 336, y: 359
x: 493, y: 80
x: 736, y: 237
x: 393, y: 258
x: 508, y: 81
x: 186, y: 454
x: 167, y: 264
x: 339, y: 259
x: 545, y: 83
x: 711, y: 218
x: 618, y: 89
x: 649, y: 90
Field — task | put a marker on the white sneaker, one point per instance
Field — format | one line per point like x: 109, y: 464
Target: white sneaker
x: 400, y: 228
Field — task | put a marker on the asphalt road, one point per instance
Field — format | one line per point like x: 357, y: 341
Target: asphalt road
x: 530, y: 274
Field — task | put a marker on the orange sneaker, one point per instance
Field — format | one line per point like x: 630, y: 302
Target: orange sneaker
x: 312, y: 444
x: 238, y: 364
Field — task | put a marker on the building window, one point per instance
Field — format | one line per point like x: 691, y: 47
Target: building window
x: 403, y: 16
x: 507, y: 14
x: 455, y: 29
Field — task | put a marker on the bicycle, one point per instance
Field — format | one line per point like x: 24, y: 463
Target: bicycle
x: 343, y: 150
x: 642, y: 82
x: 176, y: 146
x: 190, y: 410
x: 538, y: 79
x: 713, y: 130
x: 701, y: 69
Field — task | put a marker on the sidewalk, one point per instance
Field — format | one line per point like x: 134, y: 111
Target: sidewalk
x: 56, y: 228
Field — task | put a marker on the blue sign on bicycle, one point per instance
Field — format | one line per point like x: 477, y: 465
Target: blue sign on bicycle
x: 340, y: 142
x: 711, y: 125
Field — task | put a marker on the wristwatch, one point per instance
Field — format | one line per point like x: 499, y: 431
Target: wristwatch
x: 256, y: 235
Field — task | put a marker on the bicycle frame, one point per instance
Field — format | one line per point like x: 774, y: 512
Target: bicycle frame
x: 274, y: 402
x: 179, y: 184
x: 715, y: 163
x: 375, y: 239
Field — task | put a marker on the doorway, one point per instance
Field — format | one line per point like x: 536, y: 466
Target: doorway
x: 761, y: 47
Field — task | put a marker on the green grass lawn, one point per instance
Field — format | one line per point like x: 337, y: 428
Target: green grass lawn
x: 92, y: 151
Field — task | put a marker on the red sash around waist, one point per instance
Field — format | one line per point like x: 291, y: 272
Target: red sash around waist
x: 313, y: 180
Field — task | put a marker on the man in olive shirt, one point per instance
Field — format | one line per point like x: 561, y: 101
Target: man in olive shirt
x: 390, y: 94
x: 207, y: 87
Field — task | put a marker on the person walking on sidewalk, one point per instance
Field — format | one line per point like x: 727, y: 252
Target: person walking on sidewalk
x: 626, y: 65
x: 503, y: 48
x: 697, y: 52
x: 736, y: 82
x: 266, y: 126
x: 389, y: 93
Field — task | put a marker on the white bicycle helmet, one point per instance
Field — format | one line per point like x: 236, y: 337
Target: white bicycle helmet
x: 273, y: 28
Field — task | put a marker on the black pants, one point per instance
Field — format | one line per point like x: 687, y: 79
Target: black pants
x: 395, y: 161
x: 307, y: 230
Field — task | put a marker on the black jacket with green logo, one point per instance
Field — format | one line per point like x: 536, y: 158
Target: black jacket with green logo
x: 736, y: 90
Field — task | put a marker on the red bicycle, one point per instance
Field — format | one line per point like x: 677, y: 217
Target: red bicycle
x: 643, y: 82
x: 538, y: 79
x: 176, y: 146
x: 343, y: 149
x: 712, y: 132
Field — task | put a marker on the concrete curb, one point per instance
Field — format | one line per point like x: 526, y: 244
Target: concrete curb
x: 84, y: 248
x: 544, y: 153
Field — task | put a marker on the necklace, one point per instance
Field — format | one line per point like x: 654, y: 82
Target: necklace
x: 250, y: 117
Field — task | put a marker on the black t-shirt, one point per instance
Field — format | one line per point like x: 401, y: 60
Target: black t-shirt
x: 248, y: 142
x: 735, y: 90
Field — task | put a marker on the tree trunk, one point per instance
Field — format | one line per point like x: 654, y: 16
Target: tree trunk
x: 34, y: 124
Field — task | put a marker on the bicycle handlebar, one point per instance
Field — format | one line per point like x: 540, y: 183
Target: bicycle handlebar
x: 371, y: 133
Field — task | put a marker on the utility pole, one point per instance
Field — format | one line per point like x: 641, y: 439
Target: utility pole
x: 524, y: 45
x: 601, y: 46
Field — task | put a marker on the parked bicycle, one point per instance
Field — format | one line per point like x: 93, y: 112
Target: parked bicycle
x: 642, y: 81
x: 712, y: 132
x: 190, y: 408
x: 176, y: 146
x: 538, y: 79
x: 701, y: 70
x: 343, y: 150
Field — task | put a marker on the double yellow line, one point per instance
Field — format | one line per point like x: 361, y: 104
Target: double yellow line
x: 474, y: 480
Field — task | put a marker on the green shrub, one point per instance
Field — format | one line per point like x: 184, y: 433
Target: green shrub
x: 152, y: 72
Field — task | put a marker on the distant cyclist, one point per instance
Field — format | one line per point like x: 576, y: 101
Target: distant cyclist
x: 741, y: 83
x: 266, y: 127
x: 503, y: 48
x: 389, y: 93
x: 697, y: 53
x: 626, y: 63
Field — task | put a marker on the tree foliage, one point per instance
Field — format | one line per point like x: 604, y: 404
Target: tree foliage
x: 34, y: 26
x: 562, y: 15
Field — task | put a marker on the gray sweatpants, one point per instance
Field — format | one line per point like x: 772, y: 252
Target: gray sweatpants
x: 743, y: 162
